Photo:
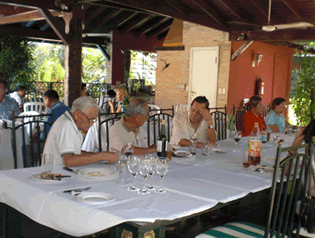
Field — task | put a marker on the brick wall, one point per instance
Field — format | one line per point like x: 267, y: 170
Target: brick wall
x: 178, y: 73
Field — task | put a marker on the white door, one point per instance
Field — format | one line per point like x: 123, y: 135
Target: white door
x: 203, y: 76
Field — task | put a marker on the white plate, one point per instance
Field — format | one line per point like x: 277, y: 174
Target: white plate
x: 94, y: 198
x: 98, y: 173
x: 182, y: 153
x: 219, y: 151
x: 38, y: 177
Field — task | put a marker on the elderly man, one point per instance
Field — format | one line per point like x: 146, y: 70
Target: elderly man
x: 57, y: 108
x: 18, y: 95
x: 65, y: 139
x: 7, y: 104
x: 129, y: 129
x: 198, y: 121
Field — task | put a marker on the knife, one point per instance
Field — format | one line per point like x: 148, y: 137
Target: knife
x: 76, y: 190
x: 71, y: 170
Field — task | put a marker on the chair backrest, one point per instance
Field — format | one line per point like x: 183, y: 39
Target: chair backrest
x: 220, y: 124
x: 154, y: 109
x: 103, y: 131
x: 154, y: 127
x: 30, y: 144
x: 34, y: 106
x: 289, y: 184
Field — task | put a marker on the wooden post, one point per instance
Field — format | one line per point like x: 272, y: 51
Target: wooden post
x: 73, y: 54
x: 117, y: 59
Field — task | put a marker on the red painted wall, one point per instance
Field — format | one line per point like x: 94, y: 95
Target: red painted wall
x: 274, y: 69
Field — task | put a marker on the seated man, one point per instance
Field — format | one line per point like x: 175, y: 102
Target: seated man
x: 129, y: 129
x: 18, y: 95
x: 65, y: 139
x: 57, y: 108
x: 7, y: 104
x: 198, y: 120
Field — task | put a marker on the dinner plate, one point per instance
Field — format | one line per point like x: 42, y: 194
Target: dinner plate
x: 94, y: 198
x: 98, y: 173
x: 219, y: 151
x: 38, y: 177
x: 182, y: 153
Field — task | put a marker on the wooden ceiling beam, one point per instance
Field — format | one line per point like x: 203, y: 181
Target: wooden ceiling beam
x: 93, y: 14
x: 262, y: 11
x: 57, y: 25
x: 162, y: 35
x: 160, y: 29
x: 7, y: 10
x: 149, y: 25
x: 232, y: 9
x: 292, y: 8
x: 177, y: 6
x: 98, y: 22
x: 47, y: 4
x: 33, y: 15
x: 133, y: 22
x: 281, y: 35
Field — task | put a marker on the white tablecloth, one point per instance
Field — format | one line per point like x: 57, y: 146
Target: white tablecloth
x: 191, y: 188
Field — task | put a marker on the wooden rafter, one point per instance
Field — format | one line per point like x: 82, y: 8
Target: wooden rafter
x: 95, y: 24
x: 257, y: 6
x: 133, y: 22
x: 176, y: 6
x: 149, y: 25
x: 292, y: 9
x: 232, y: 9
x: 160, y: 29
x: 57, y: 25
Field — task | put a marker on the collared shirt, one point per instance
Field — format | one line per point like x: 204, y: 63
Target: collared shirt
x: 57, y: 109
x: 120, y: 133
x: 182, y: 129
x: 7, y: 106
x: 17, y: 98
x: 63, y: 138
x: 273, y: 119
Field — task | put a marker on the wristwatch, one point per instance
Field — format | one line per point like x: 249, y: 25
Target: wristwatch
x: 210, y: 127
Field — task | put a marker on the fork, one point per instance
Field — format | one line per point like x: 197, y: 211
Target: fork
x: 78, y: 190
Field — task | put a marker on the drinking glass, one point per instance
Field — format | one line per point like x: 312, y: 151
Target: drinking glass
x: 193, y: 140
x: 237, y: 138
x: 47, y: 163
x: 246, y: 162
x: 208, y: 148
x: 161, y: 169
x: 151, y: 167
x: 121, y: 168
x: 144, y: 172
x: 128, y: 148
x: 133, y: 163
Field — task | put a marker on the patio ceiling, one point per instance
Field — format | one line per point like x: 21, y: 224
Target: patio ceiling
x: 153, y: 18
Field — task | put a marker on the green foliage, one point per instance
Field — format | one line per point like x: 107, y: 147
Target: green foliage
x: 304, y: 98
x: 17, y: 62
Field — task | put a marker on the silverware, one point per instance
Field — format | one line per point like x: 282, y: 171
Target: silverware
x: 78, y: 190
x: 71, y: 170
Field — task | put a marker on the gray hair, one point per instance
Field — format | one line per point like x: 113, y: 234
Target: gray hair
x: 136, y: 106
x: 83, y: 104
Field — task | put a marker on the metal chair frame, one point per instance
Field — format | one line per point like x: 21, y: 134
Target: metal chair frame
x: 219, y: 120
x: 107, y: 121
x: 156, y: 118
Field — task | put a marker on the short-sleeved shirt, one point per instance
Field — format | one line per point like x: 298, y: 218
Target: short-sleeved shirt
x: 273, y: 119
x: 17, y: 98
x: 182, y: 129
x: 119, y: 133
x: 249, y: 120
x: 7, y: 106
x: 64, y: 138
x: 57, y: 109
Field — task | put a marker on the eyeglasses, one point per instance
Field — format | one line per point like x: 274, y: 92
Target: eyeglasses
x: 90, y: 120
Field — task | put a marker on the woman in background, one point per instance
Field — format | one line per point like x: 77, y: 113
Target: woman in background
x: 274, y: 119
x: 256, y: 106
x: 121, y: 93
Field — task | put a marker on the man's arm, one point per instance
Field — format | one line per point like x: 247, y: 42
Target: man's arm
x: 211, y: 135
x: 143, y: 151
x: 73, y: 160
x: 274, y: 128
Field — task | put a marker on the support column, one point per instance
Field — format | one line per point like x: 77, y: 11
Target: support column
x: 73, y: 54
x: 117, y: 59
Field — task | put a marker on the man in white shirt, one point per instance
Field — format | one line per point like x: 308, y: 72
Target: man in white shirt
x: 18, y: 95
x: 198, y: 120
x: 65, y: 139
x: 129, y: 129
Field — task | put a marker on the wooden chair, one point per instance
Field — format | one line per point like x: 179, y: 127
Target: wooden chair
x: 284, y: 197
x: 30, y: 145
x: 154, y: 126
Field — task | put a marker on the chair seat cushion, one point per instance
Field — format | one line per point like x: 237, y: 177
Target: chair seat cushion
x: 234, y: 229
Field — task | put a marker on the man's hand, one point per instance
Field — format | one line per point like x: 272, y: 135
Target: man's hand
x: 153, y: 148
x: 111, y: 157
x: 184, y: 142
x: 200, y: 144
x: 206, y: 115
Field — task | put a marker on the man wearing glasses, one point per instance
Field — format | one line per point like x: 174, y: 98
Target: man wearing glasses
x: 129, y: 129
x: 65, y: 139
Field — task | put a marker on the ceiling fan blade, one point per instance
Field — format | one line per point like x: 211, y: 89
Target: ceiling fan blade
x: 242, y: 23
x: 293, y: 25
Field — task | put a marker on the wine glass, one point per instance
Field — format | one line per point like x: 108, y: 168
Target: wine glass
x: 151, y: 167
x: 133, y: 167
x: 193, y: 140
x: 128, y: 148
x: 161, y: 169
x: 144, y: 172
x: 237, y: 137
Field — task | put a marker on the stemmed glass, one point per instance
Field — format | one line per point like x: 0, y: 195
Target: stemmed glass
x: 133, y: 163
x: 237, y: 138
x: 193, y: 140
x: 161, y: 169
x: 128, y: 148
x: 151, y: 167
x: 144, y: 172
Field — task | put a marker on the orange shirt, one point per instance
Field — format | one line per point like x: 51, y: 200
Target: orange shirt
x: 249, y: 120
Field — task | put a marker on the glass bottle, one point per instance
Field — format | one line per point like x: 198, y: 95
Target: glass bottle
x: 162, y: 141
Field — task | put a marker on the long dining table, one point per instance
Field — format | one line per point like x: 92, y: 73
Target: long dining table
x: 192, y: 185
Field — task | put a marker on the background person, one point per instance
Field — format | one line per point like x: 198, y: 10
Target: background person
x: 129, y: 129
x: 7, y: 104
x: 57, y: 108
x: 121, y: 93
x: 274, y: 119
x: 198, y: 120
x: 18, y: 95
x: 65, y: 139
x: 253, y: 115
